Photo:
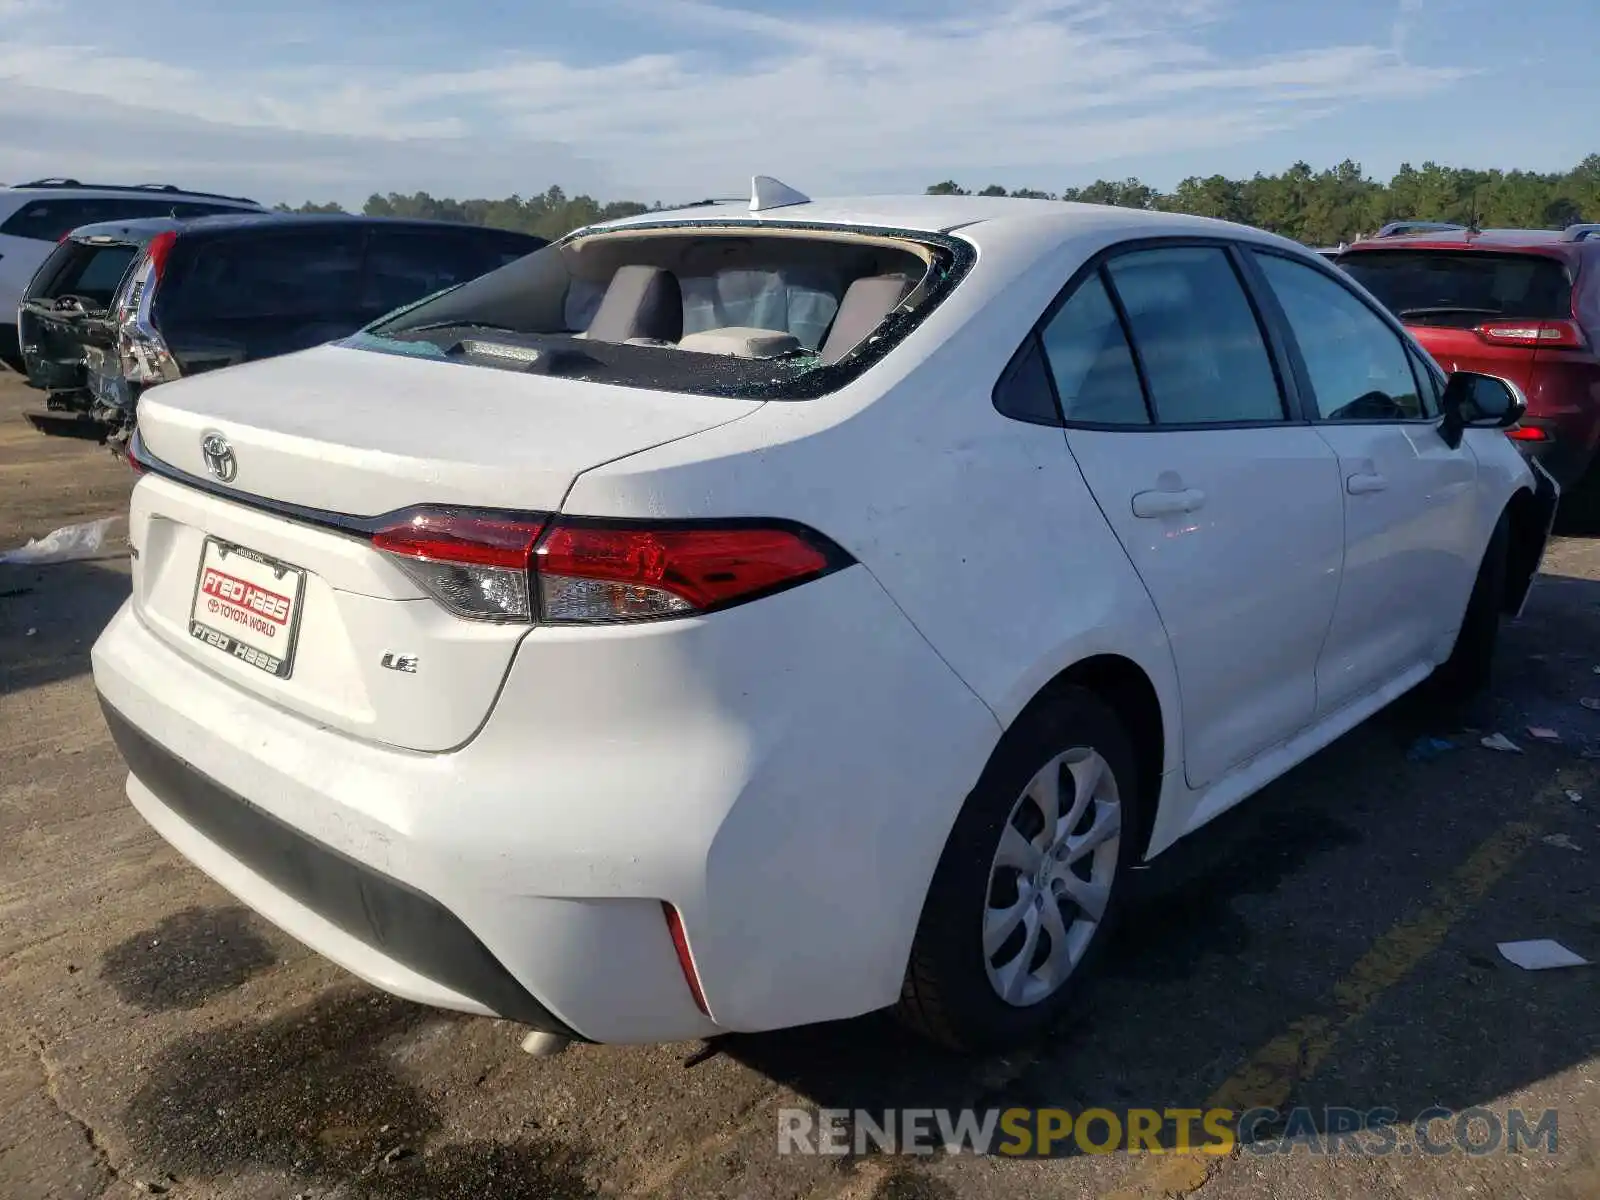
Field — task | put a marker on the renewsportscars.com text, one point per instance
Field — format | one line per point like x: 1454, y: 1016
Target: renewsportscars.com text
x: 1050, y: 1132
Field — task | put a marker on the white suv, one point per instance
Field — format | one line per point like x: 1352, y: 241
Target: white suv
x: 739, y: 620
x: 35, y: 216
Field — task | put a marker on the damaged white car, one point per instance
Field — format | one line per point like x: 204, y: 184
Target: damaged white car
x: 728, y: 620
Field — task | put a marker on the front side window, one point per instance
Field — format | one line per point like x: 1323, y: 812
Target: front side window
x: 1197, y: 338
x: 1430, y: 379
x: 1357, y: 364
x: 1090, y: 362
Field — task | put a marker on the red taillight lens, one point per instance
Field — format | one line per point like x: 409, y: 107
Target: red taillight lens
x: 680, y: 943
x: 1527, y: 433
x: 598, y: 572
x: 157, y: 251
x: 1554, y: 334
x: 469, y: 538
x: 475, y: 564
x: 496, y: 566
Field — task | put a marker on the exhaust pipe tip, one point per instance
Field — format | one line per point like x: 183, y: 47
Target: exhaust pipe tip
x: 544, y: 1045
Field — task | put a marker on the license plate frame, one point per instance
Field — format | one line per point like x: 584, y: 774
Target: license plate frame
x: 230, y: 611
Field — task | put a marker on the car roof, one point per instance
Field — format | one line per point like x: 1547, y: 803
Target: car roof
x: 80, y: 190
x: 142, y: 229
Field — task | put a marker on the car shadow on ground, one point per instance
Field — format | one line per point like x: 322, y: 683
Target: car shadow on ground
x: 1255, y: 924
x: 51, y: 615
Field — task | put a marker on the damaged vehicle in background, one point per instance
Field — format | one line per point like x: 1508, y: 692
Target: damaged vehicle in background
x: 122, y: 306
x: 35, y: 216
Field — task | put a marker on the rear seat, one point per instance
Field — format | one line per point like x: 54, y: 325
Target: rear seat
x: 866, y: 303
x: 640, y: 303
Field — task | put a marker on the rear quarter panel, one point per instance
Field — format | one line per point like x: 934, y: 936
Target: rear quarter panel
x: 980, y: 527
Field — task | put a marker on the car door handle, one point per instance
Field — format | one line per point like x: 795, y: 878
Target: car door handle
x: 1364, y: 482
x: 1166, y: 504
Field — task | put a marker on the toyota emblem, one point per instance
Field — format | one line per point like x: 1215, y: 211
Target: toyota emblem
x: 218, y: 453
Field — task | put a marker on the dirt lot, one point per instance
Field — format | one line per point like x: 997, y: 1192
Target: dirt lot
x: 1332, y: 943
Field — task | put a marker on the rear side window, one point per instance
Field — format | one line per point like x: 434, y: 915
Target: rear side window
x: 1196, y: 336
x: 1460, y: 289
x: 282, y: 275
x: 404, y: 265
x: 1358, y: 366
x: 47, y: 220
x: 1090, y: 361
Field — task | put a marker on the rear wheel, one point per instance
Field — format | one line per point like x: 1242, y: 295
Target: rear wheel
x: 1030, y: 882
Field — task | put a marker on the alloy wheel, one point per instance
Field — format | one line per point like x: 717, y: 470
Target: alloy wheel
x: 1051, y: 876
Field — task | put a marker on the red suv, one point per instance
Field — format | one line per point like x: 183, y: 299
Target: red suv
x: 1520, y: 304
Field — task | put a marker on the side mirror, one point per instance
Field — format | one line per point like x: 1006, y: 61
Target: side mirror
x: 1474, y: 401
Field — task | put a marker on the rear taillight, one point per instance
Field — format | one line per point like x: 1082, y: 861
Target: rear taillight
x: 142, y: 353
x: 1527, y: 433
x: 157, y: 251
x: 475, y: 564
x: 601, y: 572
x: 1554, y: 334
x: 492, y: 566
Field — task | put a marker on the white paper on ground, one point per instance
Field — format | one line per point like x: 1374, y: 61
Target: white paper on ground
x: 70, y: 542
x: 1542, y: 954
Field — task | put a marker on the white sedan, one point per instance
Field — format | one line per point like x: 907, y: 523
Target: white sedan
x: 728, y: 620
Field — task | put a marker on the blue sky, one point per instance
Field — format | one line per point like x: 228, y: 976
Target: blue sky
x: 678, y: 99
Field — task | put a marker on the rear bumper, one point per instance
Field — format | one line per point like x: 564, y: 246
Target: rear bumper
x: 382, y: 914
x: 784, y: 774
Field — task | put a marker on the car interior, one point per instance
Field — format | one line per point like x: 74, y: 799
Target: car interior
x: 771, y: 295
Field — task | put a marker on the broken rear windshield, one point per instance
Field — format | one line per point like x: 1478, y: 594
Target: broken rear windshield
x: 1438, y: 287
x: 776, y: 312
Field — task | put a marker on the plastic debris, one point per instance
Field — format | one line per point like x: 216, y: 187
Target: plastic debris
x: 1575, y: 797
x: 70, y: 542
x: 1499, y: 741
x: 31, y: 631
x: 1426, y: 749
x: 1561, y: 842
x: 1541, y: 954
x: 1540, y: 733
x: 1591, y: 703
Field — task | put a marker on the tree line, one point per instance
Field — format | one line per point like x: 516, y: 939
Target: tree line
x: 1316, y: 207
x: 550, y: 214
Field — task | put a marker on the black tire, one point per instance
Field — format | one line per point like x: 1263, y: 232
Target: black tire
x: 1468, y: 669
x: 948, y: 995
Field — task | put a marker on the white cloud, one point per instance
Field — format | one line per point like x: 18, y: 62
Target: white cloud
x: 1038, y: 87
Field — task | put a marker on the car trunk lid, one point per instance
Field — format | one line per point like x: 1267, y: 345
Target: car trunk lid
x: 253, y: 530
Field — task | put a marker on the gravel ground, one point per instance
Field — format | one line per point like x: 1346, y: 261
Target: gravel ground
x: 1331, y: 943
